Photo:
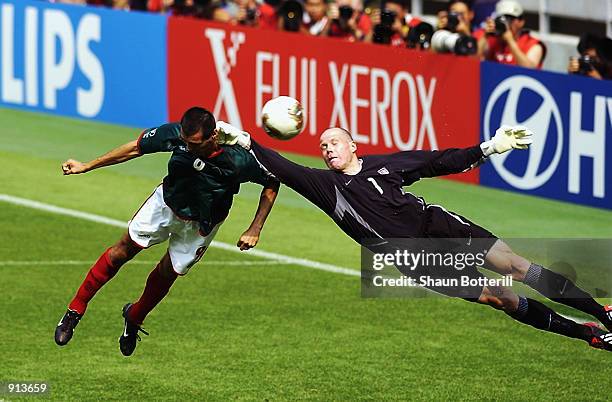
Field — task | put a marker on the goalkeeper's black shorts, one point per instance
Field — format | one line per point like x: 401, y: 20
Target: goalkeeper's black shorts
x: 447, y: 232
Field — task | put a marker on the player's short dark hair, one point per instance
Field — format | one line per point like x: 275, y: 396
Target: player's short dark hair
x: 196, y: 119
x: 469, y: 4
x: 602, y: 45
x: 403, y: 3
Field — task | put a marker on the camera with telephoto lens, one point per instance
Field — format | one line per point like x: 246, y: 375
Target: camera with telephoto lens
x: 384, y: 31
x: 444, y: 41
x: 452, y: 22
x: 291, y: 12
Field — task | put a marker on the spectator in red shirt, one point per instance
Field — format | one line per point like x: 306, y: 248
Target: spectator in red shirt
x: 268, y: 18
x: 507, y: 42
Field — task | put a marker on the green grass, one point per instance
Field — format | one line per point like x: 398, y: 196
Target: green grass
x: 274, y: 332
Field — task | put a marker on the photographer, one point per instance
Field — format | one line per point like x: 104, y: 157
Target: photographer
x: 454, y: 34
x: 348, y: 21
x: 247, y: 12
x: 458, y: 18
x: 392, y: 23
x: 507, y: 42
x: 595, y: 59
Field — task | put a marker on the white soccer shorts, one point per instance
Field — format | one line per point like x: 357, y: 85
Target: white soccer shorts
x: 155, y: 223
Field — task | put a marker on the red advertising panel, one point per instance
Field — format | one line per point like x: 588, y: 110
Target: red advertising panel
x: 389, y: 99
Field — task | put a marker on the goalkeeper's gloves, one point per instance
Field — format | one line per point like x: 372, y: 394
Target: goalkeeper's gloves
x: 230, y: 135
x: 507, y: 138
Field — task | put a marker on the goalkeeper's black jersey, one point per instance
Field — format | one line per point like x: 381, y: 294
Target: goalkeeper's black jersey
x: 372, y: 203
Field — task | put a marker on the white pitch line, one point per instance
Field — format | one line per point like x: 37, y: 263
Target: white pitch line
x: 73, y: 262
x: 285, y: 259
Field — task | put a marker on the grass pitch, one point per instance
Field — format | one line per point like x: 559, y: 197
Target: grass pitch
x: 259, y: 331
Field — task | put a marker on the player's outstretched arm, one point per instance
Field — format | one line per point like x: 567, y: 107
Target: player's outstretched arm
x: 250, y: 237
x: 120, y: 154
x: 507, y: 138
x: 286, y: 171
x: 450, y: 161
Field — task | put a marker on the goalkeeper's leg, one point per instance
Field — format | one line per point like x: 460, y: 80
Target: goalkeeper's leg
x: 554, y: 286
x: 537, y: 315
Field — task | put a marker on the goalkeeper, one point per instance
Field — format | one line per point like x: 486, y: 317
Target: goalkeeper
x: 365, y: 197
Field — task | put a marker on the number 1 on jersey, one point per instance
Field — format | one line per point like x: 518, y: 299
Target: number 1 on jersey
x: 371, y: 180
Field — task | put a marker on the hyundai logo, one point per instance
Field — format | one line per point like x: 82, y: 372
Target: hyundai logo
x: 539, y: 121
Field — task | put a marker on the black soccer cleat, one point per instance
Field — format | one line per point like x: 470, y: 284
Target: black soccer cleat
x: 606, y: 317
x: 127, y: 340
x: 65, y: 328
x: 599, y: 339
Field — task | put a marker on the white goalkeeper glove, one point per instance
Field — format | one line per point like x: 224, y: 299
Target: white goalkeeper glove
x: 230, y: 135
x: 507, y: 138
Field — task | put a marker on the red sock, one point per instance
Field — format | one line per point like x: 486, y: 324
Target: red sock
x: 155, y: 290
x: 101, y: 272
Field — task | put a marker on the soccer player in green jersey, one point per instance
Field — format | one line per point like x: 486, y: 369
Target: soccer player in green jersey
x: 187, y: 209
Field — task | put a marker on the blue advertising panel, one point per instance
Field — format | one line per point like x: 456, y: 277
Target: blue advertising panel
x: 83, y: 62
x: 571, y: 117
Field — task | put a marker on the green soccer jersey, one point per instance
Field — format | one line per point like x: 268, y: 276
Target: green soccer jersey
x: 201, y: 189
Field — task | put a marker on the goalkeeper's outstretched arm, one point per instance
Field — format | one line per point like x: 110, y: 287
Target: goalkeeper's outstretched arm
x: 451, y: 161
x: 298, y: 177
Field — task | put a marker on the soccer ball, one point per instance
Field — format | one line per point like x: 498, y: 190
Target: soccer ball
x: 282, y: 117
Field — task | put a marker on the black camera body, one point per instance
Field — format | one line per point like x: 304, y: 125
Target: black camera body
x: 501, y: 25
x: 387, y: 17
x: 251, y: 14
x: 346, y: 12
x: 585, y: 65
x: 384, y: 31
x: 452, y: 22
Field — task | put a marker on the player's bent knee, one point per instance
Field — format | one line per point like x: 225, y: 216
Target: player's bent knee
x: 123, y: 251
